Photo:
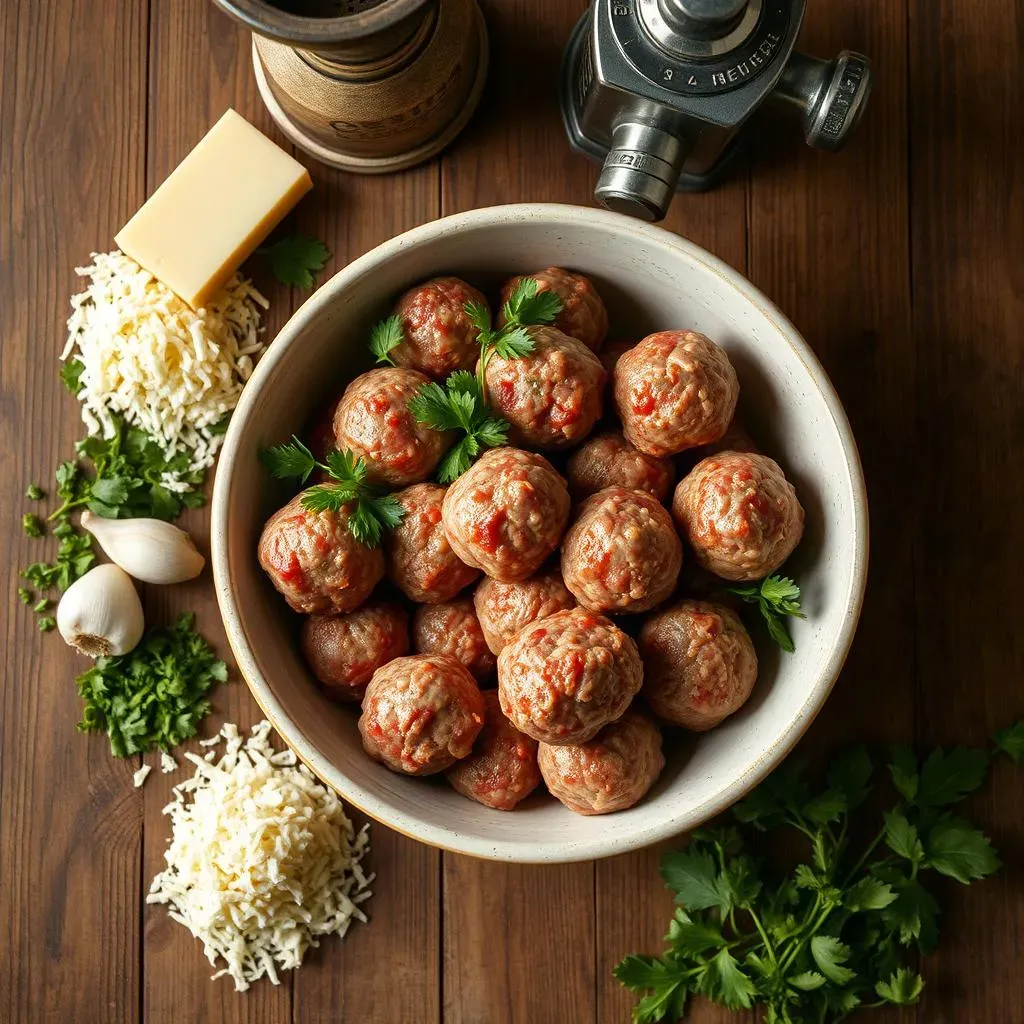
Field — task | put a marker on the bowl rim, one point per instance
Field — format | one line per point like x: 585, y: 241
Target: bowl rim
x: 555, y: 850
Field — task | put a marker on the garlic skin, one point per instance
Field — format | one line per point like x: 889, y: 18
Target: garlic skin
x: 148, y: 549
x: 100, y: 614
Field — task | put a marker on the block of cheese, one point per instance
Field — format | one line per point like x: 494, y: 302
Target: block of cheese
x: 218, y: 204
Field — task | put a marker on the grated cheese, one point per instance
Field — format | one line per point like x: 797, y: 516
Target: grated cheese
x: 167, y: 763
x: 262, y: 860
x: 140, y: 775
x: 170, y: 370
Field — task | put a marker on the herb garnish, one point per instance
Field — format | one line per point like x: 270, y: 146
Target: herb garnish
x: 527, y: 306
x: 25, y: 596
x: 385, y: 336
x: 776, y: 597
x: 459, y: 405
x: 34, y: 492
x: 32, y: 525
x: 294, y: 260
x: 71, y: 371
x: 154, y: 696
x: 833, y: 934
x: 372, y: 509
x: 47, y: 624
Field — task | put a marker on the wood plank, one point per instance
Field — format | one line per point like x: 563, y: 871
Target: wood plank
x: 390, y: 969
x: 199, y: 66
x: 70, y: 820
x: 967, y: 224
x: 829, y: 244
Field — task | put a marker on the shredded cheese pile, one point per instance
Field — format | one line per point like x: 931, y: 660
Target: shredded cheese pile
x: 173, y: 371
x: 262, y: 860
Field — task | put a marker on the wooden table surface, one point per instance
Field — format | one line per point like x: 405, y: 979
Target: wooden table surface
x: 902, y: 263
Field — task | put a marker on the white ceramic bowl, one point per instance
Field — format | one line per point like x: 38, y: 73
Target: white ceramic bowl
x: 650, y: 279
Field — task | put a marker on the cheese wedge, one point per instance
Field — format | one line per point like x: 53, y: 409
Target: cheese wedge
x: 218, y: 204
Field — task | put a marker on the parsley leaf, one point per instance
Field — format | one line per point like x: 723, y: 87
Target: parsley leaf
x: 1011, y: 741
x: 903, y: 987
x: 294, y: 260
x: 954, y: 847
x: 776, y: 597
x: 34, y: 492
x: 869, y: 894
x: 47, y: 624
x: 530, y: 304
x: 903, y: 769
x: 695, y: 880
x: 459, y: 406
x: 25, y: 595
x: 901, y: 837
x: 829, y: 954
x: 368, y: 511
x: 32, y: 525
x: 71, y: 374
x: 154, y: 696
x: 947, y: 778
x: 385, y: 336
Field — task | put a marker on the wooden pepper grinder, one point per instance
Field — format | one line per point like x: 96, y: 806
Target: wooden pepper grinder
x: 369, y: 86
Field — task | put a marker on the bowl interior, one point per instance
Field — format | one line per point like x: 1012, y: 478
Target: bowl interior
x: 650, y: 280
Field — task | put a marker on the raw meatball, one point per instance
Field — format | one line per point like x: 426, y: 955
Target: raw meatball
x: 553, y: 396
x: 505, y: 608
x: 454, y: 629
x: 506, y: 513
x: 420, y: 561
x: 315, y: 562
x: 622, y: 553
x: 740, y: 515
x: 609, y: 773
x: 699, y: 664
x: 609, y: 460
x: 583, y: 314
x: 421, y: 714
x: 565, y: 677
x: 674, y: 390
x: 502, y: 769
x: 439, y: 337
x: 373, y: 420
x: 344, y: 651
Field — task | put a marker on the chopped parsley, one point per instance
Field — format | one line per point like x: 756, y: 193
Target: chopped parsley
x: 777, y: 597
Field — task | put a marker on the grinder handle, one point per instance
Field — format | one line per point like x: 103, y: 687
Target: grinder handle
x: 830, y: 95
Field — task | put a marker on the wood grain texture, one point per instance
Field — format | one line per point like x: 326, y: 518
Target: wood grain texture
x: 967, y: 224
x: 70, y: 821
x: 900, y: 262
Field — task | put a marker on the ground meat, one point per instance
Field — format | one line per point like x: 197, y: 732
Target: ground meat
x: 622, y: 553
x: 505, y: 608
x: 373, y: 421
x: 583, y: 314
x: 563, y: 678
x: 502, y: 769
x: 439, y: 336
x: 674, y: 390
x: 420, y: 561
x: 454, y: 629
x: 609, y: 773
x: 740, y: 515
x: 553, y: 396
x: 315, y: 562
x: 343, y: 651
x: 699, y: 664
x: 506, y: 513
x: 421, y: 714
x: 609, y: 460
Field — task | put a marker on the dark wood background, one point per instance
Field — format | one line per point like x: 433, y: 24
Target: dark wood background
x: 902, y: 263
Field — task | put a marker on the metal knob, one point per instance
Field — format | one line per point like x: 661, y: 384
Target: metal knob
x: 641, y: 171
x: 702, y: 18
x: 831, y: 95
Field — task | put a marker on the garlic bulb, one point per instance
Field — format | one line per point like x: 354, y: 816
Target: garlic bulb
x: 100, y: 614
x: 148, y: 549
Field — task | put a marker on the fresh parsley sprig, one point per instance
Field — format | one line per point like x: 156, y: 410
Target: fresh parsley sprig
x: 385, y: 336
x: 527, y: 306
x: 833, y: 934
x: 459, y: 406
x: 371, y: 510
x: 295, y: 259
x: 777, y: 597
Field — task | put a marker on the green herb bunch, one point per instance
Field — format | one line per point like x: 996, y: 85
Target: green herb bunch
x: 776, y: 598
x: 459, y: 406
x: 836, y: 933
x: 154, y: 696
x: 371, y: 510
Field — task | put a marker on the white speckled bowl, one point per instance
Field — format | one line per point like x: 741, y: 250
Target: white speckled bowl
x: 651, y: 280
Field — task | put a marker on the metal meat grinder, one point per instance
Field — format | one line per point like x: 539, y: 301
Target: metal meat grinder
x: 658, y: 90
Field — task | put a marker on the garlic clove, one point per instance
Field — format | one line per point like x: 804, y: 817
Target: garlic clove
x: 100, y: 614
x: 148, y: 549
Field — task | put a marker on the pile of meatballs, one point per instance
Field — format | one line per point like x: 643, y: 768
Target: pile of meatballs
x: 555, y: 576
